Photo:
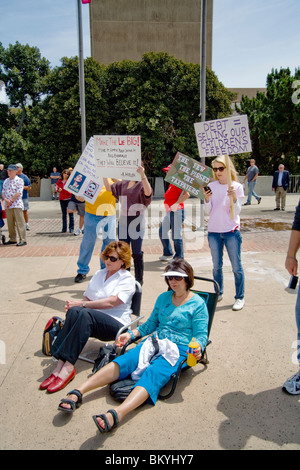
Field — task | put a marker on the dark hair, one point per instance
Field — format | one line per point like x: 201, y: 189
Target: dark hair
x: 123, y: 250
x: 181, y: 265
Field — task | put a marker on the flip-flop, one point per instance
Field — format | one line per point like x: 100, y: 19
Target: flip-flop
x: 74, y: 404
x: 107, y: 427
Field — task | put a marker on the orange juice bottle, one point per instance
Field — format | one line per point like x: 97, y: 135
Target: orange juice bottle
x: 191, y: 359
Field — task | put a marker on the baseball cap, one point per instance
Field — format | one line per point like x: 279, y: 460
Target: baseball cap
x: 12, y: 167
x: 167, y: 168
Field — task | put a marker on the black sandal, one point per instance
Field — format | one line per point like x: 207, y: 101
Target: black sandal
x: 107, y: 427
x: 74, y: 404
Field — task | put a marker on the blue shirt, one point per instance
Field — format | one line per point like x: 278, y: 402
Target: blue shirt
x: 26, y: 183
x: 178, y: 324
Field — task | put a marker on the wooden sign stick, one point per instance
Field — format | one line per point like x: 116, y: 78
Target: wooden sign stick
x: 229, y: 185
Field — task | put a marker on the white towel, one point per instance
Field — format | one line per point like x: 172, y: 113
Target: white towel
x: 167, y: 349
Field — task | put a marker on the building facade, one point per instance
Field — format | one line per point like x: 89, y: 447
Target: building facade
x: 126, y: 29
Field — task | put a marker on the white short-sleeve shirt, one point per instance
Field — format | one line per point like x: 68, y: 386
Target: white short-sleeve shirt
x: 122, y: 284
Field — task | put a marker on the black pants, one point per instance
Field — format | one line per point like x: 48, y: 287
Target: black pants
x: 64, y: 211
x: 80, y: 325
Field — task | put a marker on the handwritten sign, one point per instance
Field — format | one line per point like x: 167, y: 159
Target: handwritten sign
x: 118, y: 156
x: 223, y: 136
x: 84, y: 180
x: 189, y: 174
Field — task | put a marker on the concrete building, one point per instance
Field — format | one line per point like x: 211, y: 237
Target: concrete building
x: 126, y: 29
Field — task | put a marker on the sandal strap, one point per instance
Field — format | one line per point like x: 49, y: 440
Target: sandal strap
x: 72, y: 404
x: 107, y: 427
x: 115, y: 417
x: 78, y: 394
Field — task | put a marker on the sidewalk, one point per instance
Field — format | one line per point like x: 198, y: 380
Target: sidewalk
x: 235, y: 403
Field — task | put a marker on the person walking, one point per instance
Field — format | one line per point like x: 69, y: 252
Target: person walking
x: 280, y: 184
x: 251, y: 177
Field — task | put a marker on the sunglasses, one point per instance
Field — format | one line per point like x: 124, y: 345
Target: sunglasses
x: 176, y: 278
x: 113, y: 259
x: 219, y: 168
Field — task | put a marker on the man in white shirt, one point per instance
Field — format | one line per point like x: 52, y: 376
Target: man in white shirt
x: 12, y: 195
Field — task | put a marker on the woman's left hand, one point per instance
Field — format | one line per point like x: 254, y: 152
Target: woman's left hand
x: 141, y: 171
x: 232, y: 193
x: 198, y: 353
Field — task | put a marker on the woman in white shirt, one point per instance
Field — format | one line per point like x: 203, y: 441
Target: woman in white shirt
x: 105, y: 308
x: 222, y: 228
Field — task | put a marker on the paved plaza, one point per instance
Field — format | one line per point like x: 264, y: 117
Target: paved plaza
x: 236, y: 402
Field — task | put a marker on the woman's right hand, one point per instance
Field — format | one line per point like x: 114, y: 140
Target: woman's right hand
x: 207, y: 193
x: 123, y: 339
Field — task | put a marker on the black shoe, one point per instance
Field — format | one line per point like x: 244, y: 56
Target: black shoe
x: 10, y: 243
x: 21, y: 243
x: 277, y: 209
x: 80, y: 277
x: 258, y: 201
x: 247, y: 204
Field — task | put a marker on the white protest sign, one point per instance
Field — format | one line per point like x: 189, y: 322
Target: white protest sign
x: 118, y: 156
x: 223, y: 136
x: 84, y: 181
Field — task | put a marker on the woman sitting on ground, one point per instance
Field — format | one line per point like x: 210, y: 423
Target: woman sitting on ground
x: 105, y: 308
x: 178, y: 315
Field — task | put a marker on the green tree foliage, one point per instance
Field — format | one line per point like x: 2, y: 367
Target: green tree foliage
x: 274, y: 121
x: 156, y: 98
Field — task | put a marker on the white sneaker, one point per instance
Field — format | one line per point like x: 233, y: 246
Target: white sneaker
x: 165, y: 258
x: 27, y: 226
x: 238, y: 304
x: 292, y: 385
x: 78, y: 232
x: 220, y: 297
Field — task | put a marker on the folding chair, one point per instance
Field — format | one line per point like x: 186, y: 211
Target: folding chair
x: 211, y: 299
x: 136, y: 309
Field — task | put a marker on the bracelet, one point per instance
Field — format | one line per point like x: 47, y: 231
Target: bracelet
x: 131, y: 333
x: 291, y: 257
x: 145, y: 177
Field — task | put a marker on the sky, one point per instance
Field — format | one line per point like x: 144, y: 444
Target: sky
x: 250, y: 37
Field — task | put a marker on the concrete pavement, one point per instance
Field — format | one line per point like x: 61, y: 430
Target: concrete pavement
x: 236, y: 402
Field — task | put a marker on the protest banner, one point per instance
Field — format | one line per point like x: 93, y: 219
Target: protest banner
x: 118, y: 156
x: 223, y: 136
x: 189, y: 174
x: 84, y: 181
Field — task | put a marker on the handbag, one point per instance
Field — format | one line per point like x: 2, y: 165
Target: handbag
x: 120, y: 390
x: 51, y: 330
x: 106, y: 354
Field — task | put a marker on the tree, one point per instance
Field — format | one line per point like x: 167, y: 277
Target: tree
x: 22, y: 69
x: 274, y: 122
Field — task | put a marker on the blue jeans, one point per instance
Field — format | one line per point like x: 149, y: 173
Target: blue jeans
x: 232, y: 242
x: 251, y: 191
x: 92, y: 225
x: 172, y: 221
x: 298, y: 323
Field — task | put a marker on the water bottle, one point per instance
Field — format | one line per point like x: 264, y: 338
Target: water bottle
x: 191, y: 359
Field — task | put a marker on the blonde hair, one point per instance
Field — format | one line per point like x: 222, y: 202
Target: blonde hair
x: 232, y: 169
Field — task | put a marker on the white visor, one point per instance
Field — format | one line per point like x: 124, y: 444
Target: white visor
x: 174, y: 273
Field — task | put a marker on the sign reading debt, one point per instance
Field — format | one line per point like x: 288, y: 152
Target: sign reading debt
x: 223, y: 136
x: 83, y: 181
x: 189, y: 174
x: 118, y: 156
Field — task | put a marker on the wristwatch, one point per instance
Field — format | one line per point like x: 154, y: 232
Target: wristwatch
x: 84, y: 304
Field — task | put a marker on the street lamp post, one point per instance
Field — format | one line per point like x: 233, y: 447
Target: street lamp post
x: 81, y: 77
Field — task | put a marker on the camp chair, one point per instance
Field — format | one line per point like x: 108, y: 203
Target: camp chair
x: 211, y: 299
x: 136, y: 309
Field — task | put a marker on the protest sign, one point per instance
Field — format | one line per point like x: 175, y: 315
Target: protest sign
x: 223, y: 136
x: 189, y: 175
x: 118, y: 156
x: 84, y: 180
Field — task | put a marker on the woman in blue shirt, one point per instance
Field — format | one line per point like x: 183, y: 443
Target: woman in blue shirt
x: 178, y: 316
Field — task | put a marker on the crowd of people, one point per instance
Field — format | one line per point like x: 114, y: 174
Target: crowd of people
x: 178, y: 314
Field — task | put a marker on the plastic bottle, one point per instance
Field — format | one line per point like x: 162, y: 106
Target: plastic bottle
x: 191, y: 359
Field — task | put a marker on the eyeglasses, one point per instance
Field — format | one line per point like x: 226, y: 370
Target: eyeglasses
x: 176, y: 278
x: 219, y: 168
x: 113, y: 259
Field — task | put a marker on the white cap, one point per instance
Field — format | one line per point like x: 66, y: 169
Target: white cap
x: 175, y: 273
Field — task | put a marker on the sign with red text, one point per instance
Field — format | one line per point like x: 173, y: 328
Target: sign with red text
x: 226, y: 136
x: 118, y: 156
x: 84, y: 181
